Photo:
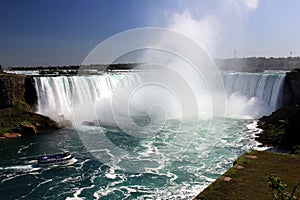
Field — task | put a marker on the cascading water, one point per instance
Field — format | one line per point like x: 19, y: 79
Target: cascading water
x: 248, y: 94
x: 60, y: 96
x: 171, y: 163
x: 253, y: 94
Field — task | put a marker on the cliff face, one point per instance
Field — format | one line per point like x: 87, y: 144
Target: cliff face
x: 15, y: 88
x: 292, y: 82
x: 12, y: 89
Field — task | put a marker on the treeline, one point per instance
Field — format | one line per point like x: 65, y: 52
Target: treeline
x: 74, y: 69
x: 36, y: 68
x: 258, y: 64
x: 251, y: 64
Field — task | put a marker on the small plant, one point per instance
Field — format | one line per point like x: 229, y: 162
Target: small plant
x: 279, y: 189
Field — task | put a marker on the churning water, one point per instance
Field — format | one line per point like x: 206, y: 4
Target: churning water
x: 176, y: 161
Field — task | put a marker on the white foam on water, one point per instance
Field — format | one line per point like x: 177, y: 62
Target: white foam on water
x: 186, y: 160
x: 19, y: 168
x: 37, y: 187
x: 111, y: 174
x: 24, y: 147
x: 76, y: 195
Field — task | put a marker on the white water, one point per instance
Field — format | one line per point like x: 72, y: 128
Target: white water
x: 84, y: 98
x: 253, y: 94
x: 60, y: 96
x: 176, y: 163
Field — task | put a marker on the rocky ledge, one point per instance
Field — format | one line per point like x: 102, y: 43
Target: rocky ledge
x: 18, y: 121
x: 282, y: 129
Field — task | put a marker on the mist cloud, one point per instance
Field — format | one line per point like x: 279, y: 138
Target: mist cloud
x: 216, y: 27
x: 205, y: 31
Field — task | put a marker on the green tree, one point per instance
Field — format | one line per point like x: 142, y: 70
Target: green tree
x: 279, y: 189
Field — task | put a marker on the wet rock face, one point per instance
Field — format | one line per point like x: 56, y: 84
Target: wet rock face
x: 293, y: 82
x: 12, y: 89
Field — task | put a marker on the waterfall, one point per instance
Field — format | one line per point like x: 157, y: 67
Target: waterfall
x: 253, y: 94
x: 248, y: 94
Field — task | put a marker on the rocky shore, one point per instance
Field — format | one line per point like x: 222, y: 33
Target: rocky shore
x: 282, y: 129
x: 19, y: 121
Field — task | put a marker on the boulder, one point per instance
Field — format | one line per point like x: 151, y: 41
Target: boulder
x: 11, y: 135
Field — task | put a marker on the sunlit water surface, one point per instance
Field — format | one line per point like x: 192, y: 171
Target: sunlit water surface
x: 209, y: 153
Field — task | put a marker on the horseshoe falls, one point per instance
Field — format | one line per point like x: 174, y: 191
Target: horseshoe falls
x: 250, y: 95
x: 163, y: 157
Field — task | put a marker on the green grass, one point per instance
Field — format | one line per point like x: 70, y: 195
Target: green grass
x: 251, y: 181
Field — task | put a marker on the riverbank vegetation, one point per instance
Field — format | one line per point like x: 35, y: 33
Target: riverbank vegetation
x: 258, y: 64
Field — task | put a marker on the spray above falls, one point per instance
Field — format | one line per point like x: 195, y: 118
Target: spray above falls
x: 175, y: 79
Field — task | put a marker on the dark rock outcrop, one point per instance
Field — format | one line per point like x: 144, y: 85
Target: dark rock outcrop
x: 19, y: 119
x: 34, y: 124
x: 292, y: 85
x: 282, y: 129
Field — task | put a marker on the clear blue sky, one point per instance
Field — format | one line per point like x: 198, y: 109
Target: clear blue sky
x: 62, y: 32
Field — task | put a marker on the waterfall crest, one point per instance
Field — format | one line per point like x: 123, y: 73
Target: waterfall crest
x: 248, y: 94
